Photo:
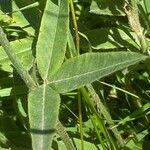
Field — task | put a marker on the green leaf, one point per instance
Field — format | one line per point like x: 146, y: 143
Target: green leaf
x: 84, y: 69
x: 71, y: 45
x: 88, y: 145
x: 107, y: 7
x: 138, y: 113
x: 22, y: 49
x: 147, y: 6
x: 19, y: 90
x: 20, y: 21
x: 4, y: 140
x: 14, y: 136
x: 27, y: 6
x: 28, y: 19
x: 52, y: 38
x: 110, y: 38
x: 139, y: 143
x: 43, y: 115
x: 4, y: 19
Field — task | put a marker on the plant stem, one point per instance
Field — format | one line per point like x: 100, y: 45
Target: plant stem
x: 75, y: 27
x: 15, y: 60
x: 133, y: 18
x: 64, y: 136
x: 78, y: 53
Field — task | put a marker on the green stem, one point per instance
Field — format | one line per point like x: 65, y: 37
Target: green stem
x: 78, y: 53
x: 15, y: 60
x: 64, y: 136
x: 75, y: 27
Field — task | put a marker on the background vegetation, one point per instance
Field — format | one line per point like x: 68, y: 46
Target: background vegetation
x: 74, y: 74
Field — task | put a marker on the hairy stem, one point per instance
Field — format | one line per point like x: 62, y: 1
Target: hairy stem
x: 15, y: 60
x: 65, y: 137
x: 133, y: 18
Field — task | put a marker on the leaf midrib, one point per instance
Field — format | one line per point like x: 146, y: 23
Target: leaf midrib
x: 43, y: 115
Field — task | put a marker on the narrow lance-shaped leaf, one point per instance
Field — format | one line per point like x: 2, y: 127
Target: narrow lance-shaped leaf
x: 52, y: 38
x: 84, y: 69
x: 43, y: 108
